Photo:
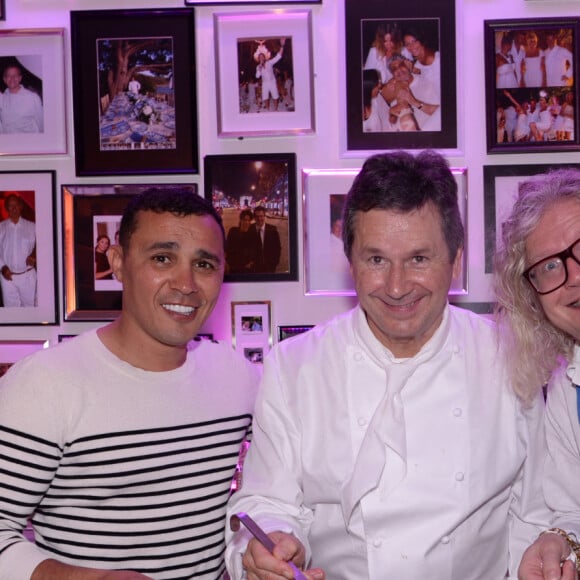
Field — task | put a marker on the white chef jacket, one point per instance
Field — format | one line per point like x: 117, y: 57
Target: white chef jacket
x: 17, y: 242
x: 562, y: 473
x: 397, y: 477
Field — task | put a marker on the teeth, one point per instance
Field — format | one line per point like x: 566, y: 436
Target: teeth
x: 179, y: 308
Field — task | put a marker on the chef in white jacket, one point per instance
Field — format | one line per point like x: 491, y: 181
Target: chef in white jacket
x: 388, y: 442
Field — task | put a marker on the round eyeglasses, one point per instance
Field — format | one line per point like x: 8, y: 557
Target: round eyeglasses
x: 551, y: 273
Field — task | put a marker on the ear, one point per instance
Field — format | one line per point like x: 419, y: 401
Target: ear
x: 116, y: 261
x: 458, y: 264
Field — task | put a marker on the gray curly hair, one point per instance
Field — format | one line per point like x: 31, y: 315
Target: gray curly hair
x: 532, y: 344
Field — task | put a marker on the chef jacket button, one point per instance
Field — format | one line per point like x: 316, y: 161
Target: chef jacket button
x: 445, y: 539
x: 457, y: 412
x: 358, y: 356
x: 459, y: 476
x: 456, y: 350
x: 377, y: 542
x: 362, y: 421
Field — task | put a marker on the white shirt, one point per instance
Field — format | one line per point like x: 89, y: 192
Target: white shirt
x: 434, y: 474
x: 562, y: 473
x: 17, y: 241
x: 559, y: 66
x: 21, y: 112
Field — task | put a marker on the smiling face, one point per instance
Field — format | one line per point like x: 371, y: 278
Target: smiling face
x: 12, y: 78
x: 402, y: 273
x: 557, y: 229
x: 414, y: 46
x: 13, y: 206
x: 172, y: 272
x: 103, y: 244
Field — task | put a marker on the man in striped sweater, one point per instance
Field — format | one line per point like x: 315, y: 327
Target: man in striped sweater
x: 120, y: 445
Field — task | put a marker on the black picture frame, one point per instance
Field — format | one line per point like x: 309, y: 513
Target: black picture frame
x: 236, y: 182
x: 437, y: 22
x: 516, y: 119
x: 86, y: 209
x: 2, y: 10
x: 286, y: 331
x: 37, y: 190
x: 153, y: 129
x: 500, y: 183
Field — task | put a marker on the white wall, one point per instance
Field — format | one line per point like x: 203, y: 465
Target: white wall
x: 320, y: 150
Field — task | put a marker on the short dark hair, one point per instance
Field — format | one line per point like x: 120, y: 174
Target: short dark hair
x: 246, y: 212
x: 178, y: 201
x: 402, y: 182
x: 259, y: 208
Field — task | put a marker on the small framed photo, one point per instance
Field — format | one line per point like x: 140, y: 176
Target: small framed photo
x: 29, y: 280
x: 500, y: 186
x: 531, y: 85
x: 264, y: 73
x: 400, y: 76
x: 251, y: 329
x: 285, y: 332
x: 240, y: 2
x: 91, y: 220
x: 32, y: 82
x: 135, y: 108
x: 326, y: 268
x: 256, y: 196
x: 12, y: 352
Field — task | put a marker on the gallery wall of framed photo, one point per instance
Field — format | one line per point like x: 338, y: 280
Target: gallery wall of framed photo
x: 194, y: 114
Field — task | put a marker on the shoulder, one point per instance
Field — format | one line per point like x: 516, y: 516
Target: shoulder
x: 470, y: 327
x: 220, y: 362
x: 330, y: 336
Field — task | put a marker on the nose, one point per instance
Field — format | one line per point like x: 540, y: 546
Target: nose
x: 396, y: 281
x: 573, y: 268
x: 184, y: 280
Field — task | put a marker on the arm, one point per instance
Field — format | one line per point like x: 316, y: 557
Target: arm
x: 271, y: 491
x: 53, y: 570
x: 528, y: 515
x: 406, y: 95
x: 513, y: 101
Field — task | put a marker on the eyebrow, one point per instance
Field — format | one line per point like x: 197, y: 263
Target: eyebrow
x: 200, y: 254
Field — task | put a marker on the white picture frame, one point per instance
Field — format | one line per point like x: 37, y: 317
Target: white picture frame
x: 40, y: 52
x: 11, y: 352
x: 238, y: 36
x: 37, y: 189
x: 252, y: 329
x: 326, y: 269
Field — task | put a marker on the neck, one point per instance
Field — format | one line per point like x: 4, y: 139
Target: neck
x: 146, y: 354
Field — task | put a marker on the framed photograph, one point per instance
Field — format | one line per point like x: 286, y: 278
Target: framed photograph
x: 256, y: 197
x: 11, y: 352
x: 400, y: 75
x: 241, y: 2
x: 135, y: 108
x: 264, y: 73
x: 531, y: 85
x: 28, y: 280
x: 32, y: 73
x: 251, y: 329
x: 285, y: 332
x: 500, y: 189
x: 326, y: 269
x: 91, y: 216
